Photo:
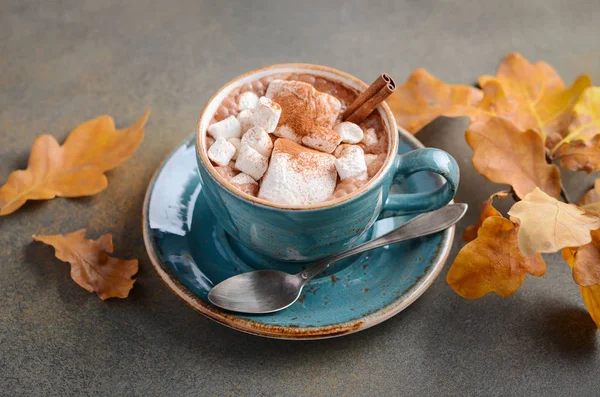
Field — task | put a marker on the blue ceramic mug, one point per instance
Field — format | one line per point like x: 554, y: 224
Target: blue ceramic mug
x: 310, y: 232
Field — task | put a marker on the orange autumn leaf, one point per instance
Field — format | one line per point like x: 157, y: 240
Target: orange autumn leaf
x: 492, y: 262
x: 423, y: 98
x: 591, y: 294
x: 586, y: 267
x: 580, y: 155
x: 532, y: 96
x: 91, y: 267
x: 74, y: 169
x: 586, y: 119
x: 548, y: 225
x: 503, y: 154
x: 487, y: 210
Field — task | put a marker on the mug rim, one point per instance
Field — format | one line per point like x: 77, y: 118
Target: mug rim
x: 383, y: 108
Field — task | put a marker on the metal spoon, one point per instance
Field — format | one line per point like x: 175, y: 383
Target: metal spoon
x: 267, y: 291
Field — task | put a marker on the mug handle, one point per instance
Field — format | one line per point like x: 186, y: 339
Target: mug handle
x: 427, y: 159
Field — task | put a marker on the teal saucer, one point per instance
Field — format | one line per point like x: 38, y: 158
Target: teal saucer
x: 191, y: 253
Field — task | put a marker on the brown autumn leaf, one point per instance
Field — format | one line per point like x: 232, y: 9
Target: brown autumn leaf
x: 504, y: 154
x: 423, y: 98
x: 492, y: 262
x: 91, y: 267
x: 532, y: 96
x: 487, y: 210
x: 580, y: 155
x: 591, y: 294
x: 74, y: 169
x: 591, y: 200
x: 586, y: 119
x: 548, y: 225
x: 586, y: 268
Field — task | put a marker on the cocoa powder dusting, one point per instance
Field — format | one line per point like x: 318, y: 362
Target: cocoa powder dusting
x: 302, y: 159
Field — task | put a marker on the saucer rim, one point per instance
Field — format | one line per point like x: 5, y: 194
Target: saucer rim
x: 286, y: 332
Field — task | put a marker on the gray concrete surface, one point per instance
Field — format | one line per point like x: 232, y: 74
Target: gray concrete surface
x: 63, y: 62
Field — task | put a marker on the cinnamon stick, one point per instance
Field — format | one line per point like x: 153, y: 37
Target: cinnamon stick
x: 367, y: 108
x: 381, y: 81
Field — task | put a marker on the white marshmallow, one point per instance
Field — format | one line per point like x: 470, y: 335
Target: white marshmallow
x: 236, y: 142
x: 248, y: 100
x: 322, y: 139
x: 350, y: 132
x: 242, y: 179
x: 298, y: 175
x: 227, y: 128
x: 284, y: 131
x: 352, y: 164
x: 266, y: 114
x: 245, y: 119
x: 259, y: 140
x: 370, y: 137
x: 251, y: 162
x: 369, y: 158
x: 245, y: 183
x: 221, y: 152
x: 340, y: 149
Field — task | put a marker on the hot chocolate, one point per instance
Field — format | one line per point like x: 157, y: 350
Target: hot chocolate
x: 283, y: 139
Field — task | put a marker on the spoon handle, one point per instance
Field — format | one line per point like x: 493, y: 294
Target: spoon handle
x: 421, y: 225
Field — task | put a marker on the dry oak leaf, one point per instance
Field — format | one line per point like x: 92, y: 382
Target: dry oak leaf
x: 487, y: 210
x: 586, y: 119
x: 504, y: 154
x: 492, y: 262
x: 422, y: 98
x: 548, y: 225
x: 91, y: 267
x: 591, y: 294
x: 580, y: 155
x: 586, y: 268
x: 74, y: 169
x: 591, y: 200
x: 532, y: 96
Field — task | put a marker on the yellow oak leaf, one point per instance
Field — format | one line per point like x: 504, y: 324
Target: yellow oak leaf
x: 74, y: 169
x: 532, y: 96
x: 504, y: 154
x: 548, y: 225
x: 91, y: 267
x: 590, y: 294
x: 580, y: 155
x: 586, y: 119
x: 487, y: 210
x: 423, y: 98
x: 493, y: 262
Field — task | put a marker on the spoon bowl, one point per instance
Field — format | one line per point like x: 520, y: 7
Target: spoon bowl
x: 259, y: 292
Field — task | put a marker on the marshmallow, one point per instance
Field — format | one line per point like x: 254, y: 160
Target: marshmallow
x: 286, y: 132
x: 245, y: 183
x: 251, y: 162
x: 248, y: 100
x: 369, y: 158
x: 221, y: 152
x: 259, y: 140
x: 352, y: 164
x: 322, y: 139
x: 340, y: 149
x: 266, y: 114
x: 228, y: 128
x: 370, y: 137
x: 298, y: 175
x: 303, y: 107
x: 350, y: 132
x: 236, y: 142
x: 245, y: 119
x: 227, y: 172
